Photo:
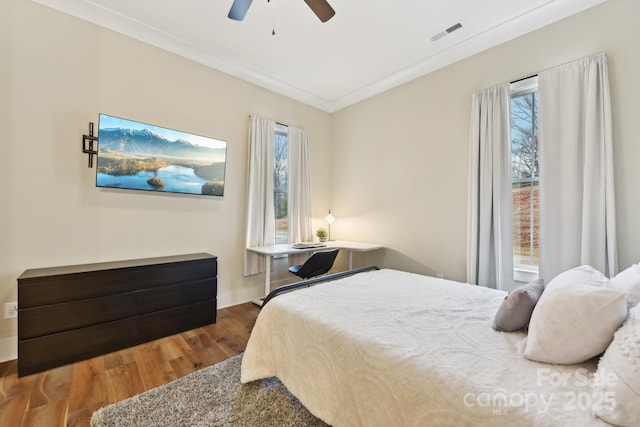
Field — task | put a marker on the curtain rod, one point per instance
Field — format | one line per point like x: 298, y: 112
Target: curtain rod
x: 572, y: 62
x: 524, y: 78
x: 278, y: 123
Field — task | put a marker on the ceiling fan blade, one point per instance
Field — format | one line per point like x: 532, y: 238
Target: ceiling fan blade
x: 321, y: 8
x: 239, y: 9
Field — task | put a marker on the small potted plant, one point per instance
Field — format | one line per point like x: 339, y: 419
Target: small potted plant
x: 322, y: 234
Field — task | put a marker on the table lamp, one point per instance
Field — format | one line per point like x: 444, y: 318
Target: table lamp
x: 330, y: 220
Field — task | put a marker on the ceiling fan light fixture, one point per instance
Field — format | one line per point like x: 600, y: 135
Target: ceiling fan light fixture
x: 321, y: 8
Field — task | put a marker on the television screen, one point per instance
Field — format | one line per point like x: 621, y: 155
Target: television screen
x: 139, y: 156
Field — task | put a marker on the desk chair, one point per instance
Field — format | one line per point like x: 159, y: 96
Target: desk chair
x: 317, y: 264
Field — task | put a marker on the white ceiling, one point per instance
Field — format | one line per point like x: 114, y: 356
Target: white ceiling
x: 369, y: 46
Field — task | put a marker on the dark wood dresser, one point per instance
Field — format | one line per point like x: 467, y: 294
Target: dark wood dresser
x: 70, y: 313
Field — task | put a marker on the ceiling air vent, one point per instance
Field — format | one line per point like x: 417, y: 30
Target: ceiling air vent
x: 449, y: 30
x: 454, y: 27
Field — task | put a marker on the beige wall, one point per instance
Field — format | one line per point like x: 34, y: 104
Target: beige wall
x: 58, y: 73
x: 393, y: 168
x: 400, y: 158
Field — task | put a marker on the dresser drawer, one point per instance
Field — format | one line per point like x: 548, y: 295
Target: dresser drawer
x: 170, y: 274
x: 53, y: 318
x: 156, y: 299
x: 168, y: 322
x: 39, y: 291
x: 38, y: 354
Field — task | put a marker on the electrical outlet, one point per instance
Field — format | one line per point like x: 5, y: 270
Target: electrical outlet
x: 440, y: 275
x: 10, y: 310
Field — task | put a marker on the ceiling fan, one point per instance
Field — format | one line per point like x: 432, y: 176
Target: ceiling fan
x: 321, y: 8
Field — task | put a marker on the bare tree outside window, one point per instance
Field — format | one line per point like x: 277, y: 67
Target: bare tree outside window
x: 525, y: 178
x: 281, y: 185
x: 524, y: 135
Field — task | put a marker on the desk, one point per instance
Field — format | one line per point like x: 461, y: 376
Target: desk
x: 286, y: 249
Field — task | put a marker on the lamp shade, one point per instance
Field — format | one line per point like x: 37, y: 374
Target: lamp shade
x: 330, y: 219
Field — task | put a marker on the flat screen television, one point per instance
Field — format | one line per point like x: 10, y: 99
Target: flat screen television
x: 138, y: 156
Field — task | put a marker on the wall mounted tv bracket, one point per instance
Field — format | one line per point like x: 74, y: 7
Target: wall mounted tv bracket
x: 90, y: 139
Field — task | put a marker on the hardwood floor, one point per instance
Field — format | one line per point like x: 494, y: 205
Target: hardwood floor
x: 68, y: 395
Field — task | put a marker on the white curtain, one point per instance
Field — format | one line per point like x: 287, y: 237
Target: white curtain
x: 489, y: 234
x: 299, y: 197
x: 577, y: 211
x: 260, y: 210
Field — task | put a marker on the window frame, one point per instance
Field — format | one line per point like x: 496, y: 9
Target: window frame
x: 524, y: 272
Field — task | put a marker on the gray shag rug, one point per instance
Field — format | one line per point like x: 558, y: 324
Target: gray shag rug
x: 212, y: 396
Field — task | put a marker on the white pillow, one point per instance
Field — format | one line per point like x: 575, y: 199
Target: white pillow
x: 574, y: 319
x: 585, y: 274
x: 628, y: 282
x: 617, y: 380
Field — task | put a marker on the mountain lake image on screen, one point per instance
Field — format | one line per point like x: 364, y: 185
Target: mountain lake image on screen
x: 138, y: 156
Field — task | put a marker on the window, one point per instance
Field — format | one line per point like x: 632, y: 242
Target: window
x: 525, y: 174
x: 281, y: 183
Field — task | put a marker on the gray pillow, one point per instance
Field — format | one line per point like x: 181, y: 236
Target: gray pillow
x: 515, y: 310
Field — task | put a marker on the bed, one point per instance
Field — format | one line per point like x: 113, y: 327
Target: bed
x: 387, y: 347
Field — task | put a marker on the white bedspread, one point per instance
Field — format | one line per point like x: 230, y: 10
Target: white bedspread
x: 390, y: 348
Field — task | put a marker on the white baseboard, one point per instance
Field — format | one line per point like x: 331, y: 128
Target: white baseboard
x: 8, y: 348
